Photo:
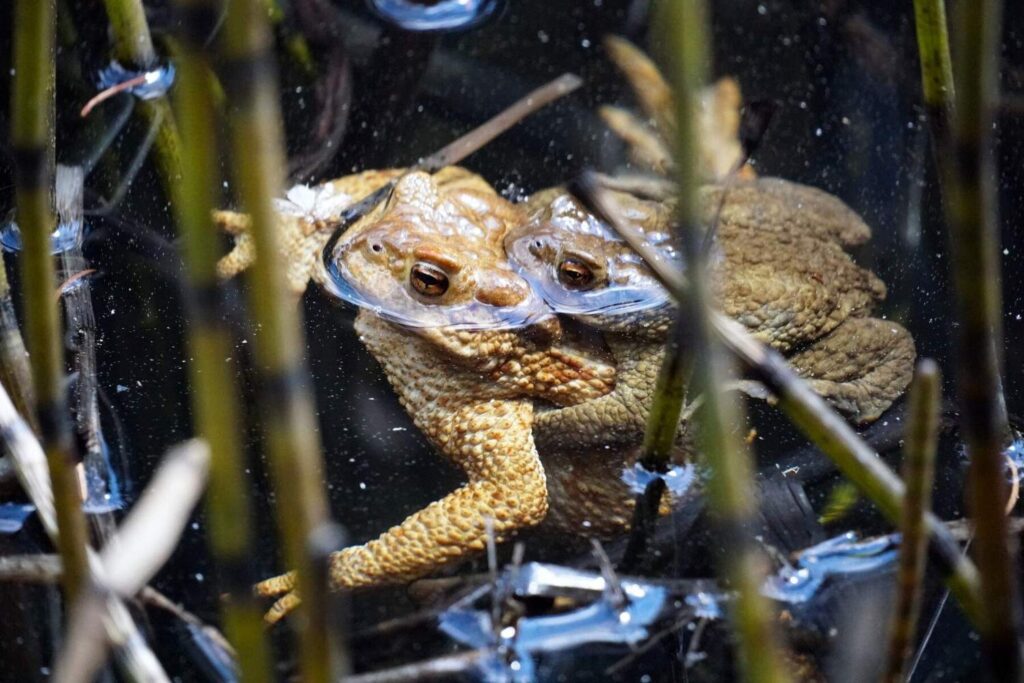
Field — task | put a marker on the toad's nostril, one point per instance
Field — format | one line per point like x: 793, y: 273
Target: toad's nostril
x: 502, y: 289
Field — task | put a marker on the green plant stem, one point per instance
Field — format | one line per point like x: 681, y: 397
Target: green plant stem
x: 730, y: 488
x: 973, y: 227
x: 669, y: 398
x: 33, y: 140
x: 214, y: 391
x: 919, y: 446
x: 285, y: 402
x: 133, y: 46
x: 933, y: 51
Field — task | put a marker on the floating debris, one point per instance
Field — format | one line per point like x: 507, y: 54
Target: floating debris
x: 602, y: 621
x: 146, y: 85
x: 842, y: 556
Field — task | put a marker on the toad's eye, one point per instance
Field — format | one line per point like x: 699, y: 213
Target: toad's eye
x: 428, y: 279
x: 575, y: 274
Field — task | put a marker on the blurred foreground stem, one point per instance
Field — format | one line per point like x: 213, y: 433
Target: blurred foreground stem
x: 215, y: 394
x: 286, y: 406
x: 33, y: 140
x: 920, y: 441
x: 964, y: 153
x: 731, y: 490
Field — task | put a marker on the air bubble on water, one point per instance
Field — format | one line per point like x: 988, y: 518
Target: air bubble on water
x: 66, y: 236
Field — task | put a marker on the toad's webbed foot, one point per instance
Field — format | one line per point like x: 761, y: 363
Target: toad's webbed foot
x: 860, y: 368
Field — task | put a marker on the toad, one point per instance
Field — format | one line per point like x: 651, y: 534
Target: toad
x: 778, y: 266
x: 467, y: 345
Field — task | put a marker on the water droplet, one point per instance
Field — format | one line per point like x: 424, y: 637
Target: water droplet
x: 446, y: 15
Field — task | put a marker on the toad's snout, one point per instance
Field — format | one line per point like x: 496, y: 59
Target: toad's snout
x: 502, y: 289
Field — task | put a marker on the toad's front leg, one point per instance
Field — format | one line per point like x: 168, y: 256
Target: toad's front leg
x: 491, y: 441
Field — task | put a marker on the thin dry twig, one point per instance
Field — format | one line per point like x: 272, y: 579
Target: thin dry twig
x: 30, y: 461
x: 149, y: 534
x: 132, y: 557
x: 30, y: 568
x: 462, y: 147
x: 432, y: 669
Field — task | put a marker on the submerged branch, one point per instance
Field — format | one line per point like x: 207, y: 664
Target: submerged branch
x: 921, y: 441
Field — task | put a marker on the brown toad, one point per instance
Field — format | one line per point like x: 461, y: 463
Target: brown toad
x: 780, y: 269
x: 467, y: 345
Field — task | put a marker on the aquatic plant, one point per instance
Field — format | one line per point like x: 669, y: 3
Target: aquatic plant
x: 961, y: 117
x: 730, y: 485
x: 283, y: 396
x: 214, y: 390
x: 32, y: 137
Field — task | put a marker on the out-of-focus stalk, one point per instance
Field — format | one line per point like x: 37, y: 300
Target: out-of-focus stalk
x: 33, y: 140
x: 964, y: 153
x: 15, y: 373
x: 668, y: 400
x: 286, y: 406
x: 683, y: 24
x: 920, y: 441
x: 215, y: 394
x: 936, y: 66
x: 133, y: 46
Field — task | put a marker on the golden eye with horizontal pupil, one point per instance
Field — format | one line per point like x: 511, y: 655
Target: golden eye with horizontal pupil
x: 428, y: 279
x: 575, y: 274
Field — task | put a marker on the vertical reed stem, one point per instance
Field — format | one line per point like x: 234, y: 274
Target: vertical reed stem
x: 966, y: 169
x: 286, y: 405
x: 920, y: 441
x: 731, y: 491
x: 669, y: 398
x: 215, y: 394
x: 133, y: 46
x: 33, y: 140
